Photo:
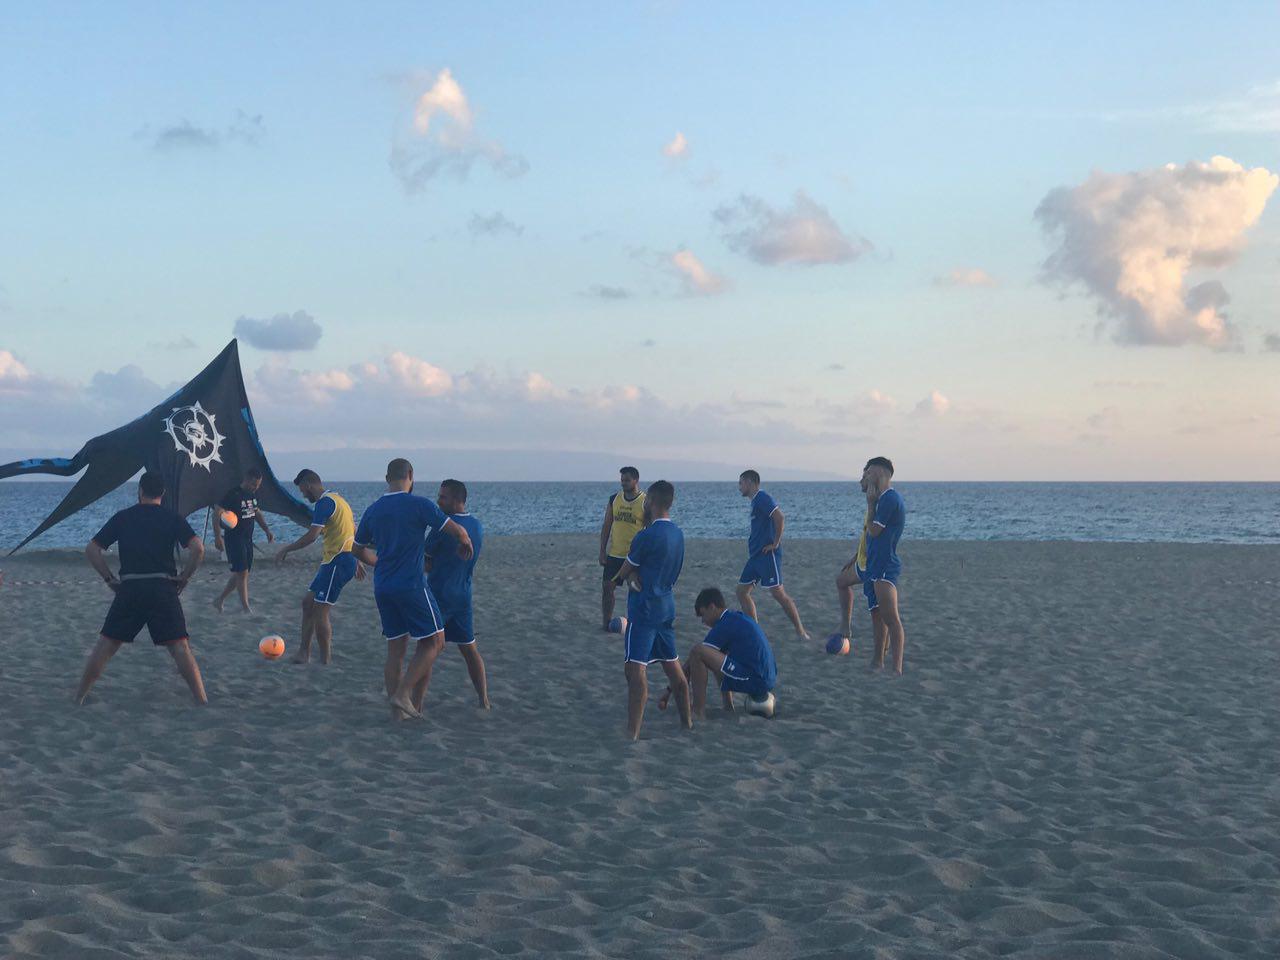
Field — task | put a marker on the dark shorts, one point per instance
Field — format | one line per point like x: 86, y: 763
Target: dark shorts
x: 459, y: 627
x: 239, y: 554
x: 412, y: 613
x: 612, y: 565
x: 738, y: 679
x: 329, y: 580
x: 153, y: 604
x: 764, y: 569
x: 647, y: 643
x: 869, y: 586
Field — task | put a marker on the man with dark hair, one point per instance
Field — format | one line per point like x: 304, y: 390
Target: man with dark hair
x: 764, y: 553
x: 736, y: 651
x: 449, y: 577
x: 656, y: 557
x: 398, y: 524
x: 331, y: 519
x: 880, y: 582
x: 237, y: 541
x: 623, y: 519
x: 852, y: 573
x: 148, y: 587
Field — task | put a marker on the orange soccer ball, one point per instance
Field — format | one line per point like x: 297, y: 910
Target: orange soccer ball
x: 271, y: 647
x: 229, y: 519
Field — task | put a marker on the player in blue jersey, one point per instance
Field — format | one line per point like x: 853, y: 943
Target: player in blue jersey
x: 880, y: 583
x: 449, y: 576
x: 391, y: 538
x: 655, y: 559
x: 736, y: 652
x: 764, y: 549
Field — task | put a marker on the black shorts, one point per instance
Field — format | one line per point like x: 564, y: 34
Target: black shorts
x: 611, y: 566
x: 153, y: 604
x: 239, y: 554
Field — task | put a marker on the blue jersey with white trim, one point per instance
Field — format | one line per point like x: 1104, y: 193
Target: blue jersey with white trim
x: 450, y: 576
x: 396, y: 525
x: 882, y: 550
x: 740, y: 638
x: 762, y: 510
x: 658, y: 553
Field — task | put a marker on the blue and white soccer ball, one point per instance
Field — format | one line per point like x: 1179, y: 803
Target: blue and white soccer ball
x: 618, y: 625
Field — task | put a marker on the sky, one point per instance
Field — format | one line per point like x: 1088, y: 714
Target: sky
x: 990, y: 241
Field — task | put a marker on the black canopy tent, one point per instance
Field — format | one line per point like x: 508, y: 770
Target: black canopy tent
x: 201, y: 440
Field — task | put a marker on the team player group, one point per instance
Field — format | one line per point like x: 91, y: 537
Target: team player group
x: 423, y: 555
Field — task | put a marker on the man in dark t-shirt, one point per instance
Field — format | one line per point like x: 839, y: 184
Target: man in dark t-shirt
x: 148, y: 586
x: 240, y: 502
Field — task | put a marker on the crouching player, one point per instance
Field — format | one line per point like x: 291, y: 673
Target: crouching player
x: 449, y: 577
x: 736, y: 651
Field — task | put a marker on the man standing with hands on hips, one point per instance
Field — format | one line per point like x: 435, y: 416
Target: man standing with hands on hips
x: 623, y: 519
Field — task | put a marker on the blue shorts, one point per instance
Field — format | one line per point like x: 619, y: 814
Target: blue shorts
x: 409, y: 612
x: 332, y: 577
x: 738, y: 679
x: 650, y: 642
x: 239, y: 554
x: 764, y: 569
x: 869, y: 587
x: 458, y: 627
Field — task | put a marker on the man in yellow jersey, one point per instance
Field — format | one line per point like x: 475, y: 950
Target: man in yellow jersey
x: 851, y: 574
x: 623, y: 519
x: 332, y: 521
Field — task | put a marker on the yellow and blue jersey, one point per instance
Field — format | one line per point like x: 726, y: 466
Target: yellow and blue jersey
x: 333, y: 514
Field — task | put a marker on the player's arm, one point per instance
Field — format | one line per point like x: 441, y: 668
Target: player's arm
x: 466, y: 550
x: 261, y: 519
x: 628, y: 568
x: 195, y: 555
x: 877, y: 525
x: 778, y: 523
x: 301, y: 543
x: 93, y: 552
x: 605, y: 528
x: 217, y: 528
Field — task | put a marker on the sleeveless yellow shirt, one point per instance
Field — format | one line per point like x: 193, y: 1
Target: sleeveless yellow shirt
x: 628, y: 520
x: 862, y: 540
x: 339, y: 530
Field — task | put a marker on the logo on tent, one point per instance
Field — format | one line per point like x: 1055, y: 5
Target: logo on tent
x: 194, y: 433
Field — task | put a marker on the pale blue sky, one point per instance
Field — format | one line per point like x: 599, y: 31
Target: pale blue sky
x: 932, y: 131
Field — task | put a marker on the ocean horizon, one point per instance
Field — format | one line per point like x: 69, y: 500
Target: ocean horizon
x: 1112, y: 511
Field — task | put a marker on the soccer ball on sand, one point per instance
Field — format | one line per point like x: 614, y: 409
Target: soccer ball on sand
x: 760, y: 708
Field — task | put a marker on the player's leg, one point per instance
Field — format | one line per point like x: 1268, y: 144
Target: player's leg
x: 744, y: 600
x: 242, y: 588
x: 846, y: 580
x: 637, y: 695
x: 887, y: 605
x: 417, y: 676
x: 323, y: 626
x: 789, y: 608
x: 308, y: 628
x: 879, y: 639
x: 475, y: 669
x: 102, y: 651
x: 392, y: 669
x: 704, y: 662
x: 606, y: 603
x: 185, y: 661
x: 229, y: 589
x: 679, y: 690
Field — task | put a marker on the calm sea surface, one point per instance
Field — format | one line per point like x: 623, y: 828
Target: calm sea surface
x: 1170, y: 512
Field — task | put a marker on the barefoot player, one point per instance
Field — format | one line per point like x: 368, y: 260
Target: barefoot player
x: 657, y: 555
x: 623, y: 519
x: 238, y: 540
x: 449, y: 576
x: 397, y: 525
x: 148, y: 587
x: 764, y: 553
x: 331, y: 520
x: 883, y: 565
x: 851, y: 574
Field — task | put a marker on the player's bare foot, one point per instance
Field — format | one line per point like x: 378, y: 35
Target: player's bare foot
x: 664, y: 700
x: 407, y: 709
x: 217, y: 604
x: 803, y: 637
x: 302, y: 658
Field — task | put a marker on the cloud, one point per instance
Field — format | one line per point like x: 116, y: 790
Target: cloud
x: 603, y: 292
x: 835, y: 367
x: 128, y: 385
x: 1270, y: 343
x: 961, y: 277
x: 883, y: 402
x: 934, y: 405
x: 284, y: 331
x: 13, y: 373
x: 677, y: 148
x: 649, y: 343
x: 185, y: 135
x: 1257, y: 110
x: 180, y: 343
x: 494, y: 225
x: 442, y: 140
x: 1105, y: 419
x: 1130, y: 239
x: 804, y: 234
x: 697, y: 279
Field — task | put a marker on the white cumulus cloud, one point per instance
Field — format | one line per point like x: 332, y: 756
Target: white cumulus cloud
x: 934, y: 405
x: 677, y: 147
x: 284, y: 331
x: 698, y: 280
x: 1131, y: 239
x: 13, y: 372
x: 965, y: 277
x: 804, y: 233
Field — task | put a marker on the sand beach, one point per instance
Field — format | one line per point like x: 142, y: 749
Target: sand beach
x: 1080, y: 762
